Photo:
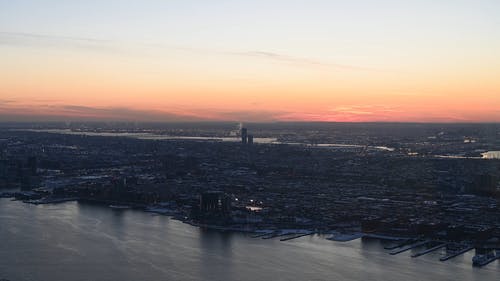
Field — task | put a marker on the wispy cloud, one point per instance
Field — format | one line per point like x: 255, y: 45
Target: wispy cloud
x: 96, y: 44
x: 42, y: 40
x: 298, y: 60
x: 243, y: 115
x: 6, y: 101
x: 54, y: 110
x: 63, y: 112
x: 14, y: 112
x: 52, y: 37
x: 377, y: 109
x: 346, y: 113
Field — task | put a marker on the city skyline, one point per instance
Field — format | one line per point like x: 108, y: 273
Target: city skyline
x: 254, y: 61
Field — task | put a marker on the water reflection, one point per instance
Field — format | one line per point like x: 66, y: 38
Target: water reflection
x: 150, y: 136
x: 72, y: 241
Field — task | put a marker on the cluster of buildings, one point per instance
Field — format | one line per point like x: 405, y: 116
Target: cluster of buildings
x: 245, y: 137
x: 265, y: 186
x: 19, y: 172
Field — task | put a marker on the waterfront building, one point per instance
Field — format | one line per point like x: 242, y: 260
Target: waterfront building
x: 215, y: 202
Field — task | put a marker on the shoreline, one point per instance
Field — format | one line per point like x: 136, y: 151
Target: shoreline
x: 337, y: 236
x: 283, y: 234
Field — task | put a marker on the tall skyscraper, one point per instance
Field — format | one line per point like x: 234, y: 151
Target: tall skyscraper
x: 244, y: 137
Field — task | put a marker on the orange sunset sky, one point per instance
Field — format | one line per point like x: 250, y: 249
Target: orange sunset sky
x: 416, y: 61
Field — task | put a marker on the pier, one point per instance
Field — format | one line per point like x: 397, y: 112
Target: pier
x: 276, y: 234
x: 487, y: 261
x: 409, y: 247
x: 432, y: 249
x: 484, y: 259
x: 269, y: 234
x: 457, y: 253
x: 384, y: 237
x: 296, y: 236
x: 399, y: 245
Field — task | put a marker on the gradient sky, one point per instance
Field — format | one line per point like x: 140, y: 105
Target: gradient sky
x: 259, y: 60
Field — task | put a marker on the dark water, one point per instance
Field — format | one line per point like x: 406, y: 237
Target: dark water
x: 74, y: 241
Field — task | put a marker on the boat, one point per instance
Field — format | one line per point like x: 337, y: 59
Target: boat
x: 484, y: 259
x: 477, y: 260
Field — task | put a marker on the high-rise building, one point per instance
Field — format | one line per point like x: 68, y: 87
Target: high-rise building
x: 250, y: 139
x: 215, y: 202
x: 244, y: 137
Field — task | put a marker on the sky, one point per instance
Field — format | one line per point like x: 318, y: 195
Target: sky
x: 259, y: 60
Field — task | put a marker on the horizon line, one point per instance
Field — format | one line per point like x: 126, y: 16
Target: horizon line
x: 252, y: 122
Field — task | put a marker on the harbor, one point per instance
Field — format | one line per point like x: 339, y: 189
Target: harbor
x: 396, y: 245
x: 401, y: 245
x: 174, y: 241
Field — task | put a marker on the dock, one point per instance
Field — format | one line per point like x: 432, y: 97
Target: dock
x: 399, y: 245
x: 409, y: 247
x: 487, y: 261
x: 276, y: 234
x: 457, y: 253
x: 385, y: 237
x: 50, y: 200
x: 432, y: 249
x: 296, y: 236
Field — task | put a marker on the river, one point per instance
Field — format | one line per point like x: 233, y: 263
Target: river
x: 76, y: 241
x: 150, y: 136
